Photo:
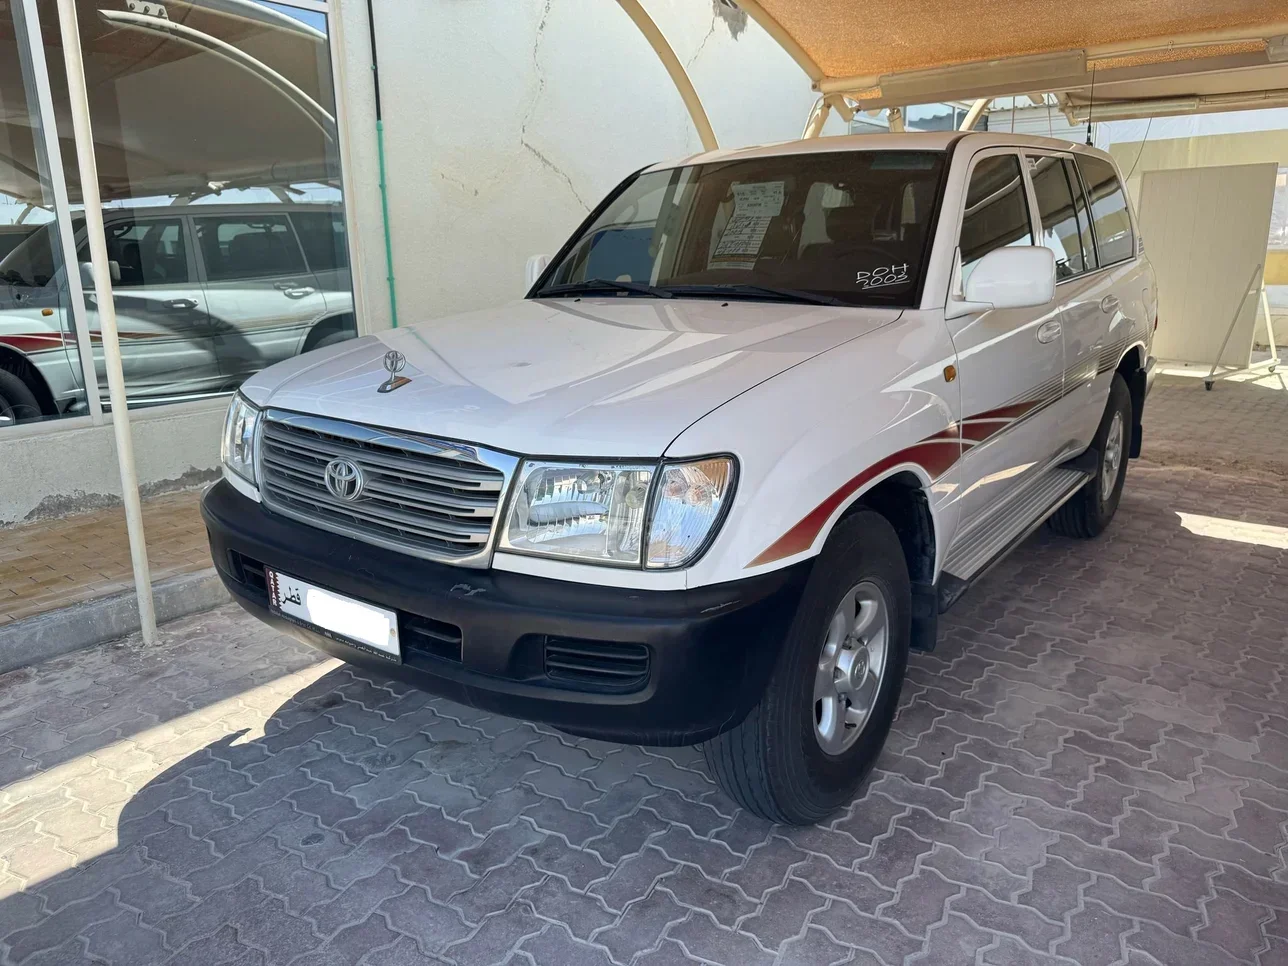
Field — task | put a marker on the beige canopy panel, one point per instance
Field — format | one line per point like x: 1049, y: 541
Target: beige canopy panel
x: 1114, y: 58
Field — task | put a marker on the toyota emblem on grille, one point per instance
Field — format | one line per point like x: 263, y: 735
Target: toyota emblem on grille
x: 395, y: 362
x: 344, y: 480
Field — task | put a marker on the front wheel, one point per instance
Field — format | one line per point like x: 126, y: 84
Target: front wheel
x: 1089, y: 511
x: 18, y: 404
x: 803, y: 751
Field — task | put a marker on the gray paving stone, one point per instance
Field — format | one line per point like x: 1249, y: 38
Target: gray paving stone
x: 1089, y: 769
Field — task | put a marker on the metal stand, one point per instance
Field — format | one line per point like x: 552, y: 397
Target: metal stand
x: 1255, y: 285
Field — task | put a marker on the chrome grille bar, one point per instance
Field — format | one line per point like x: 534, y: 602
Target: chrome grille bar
x: 430, y: 498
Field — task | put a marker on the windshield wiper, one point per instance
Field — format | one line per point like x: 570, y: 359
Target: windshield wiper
x: 763, y: 291
x: 602, y: 285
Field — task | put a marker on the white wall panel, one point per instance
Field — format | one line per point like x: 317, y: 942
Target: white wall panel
x: 1205, y: 230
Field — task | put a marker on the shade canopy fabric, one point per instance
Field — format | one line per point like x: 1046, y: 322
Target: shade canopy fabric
x: 1127, y: 59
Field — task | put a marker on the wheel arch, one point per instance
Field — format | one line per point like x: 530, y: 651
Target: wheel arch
x: 14, y: 361
x: 323, y: 327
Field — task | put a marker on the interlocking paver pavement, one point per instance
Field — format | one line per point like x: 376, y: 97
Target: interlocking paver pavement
x: 1091, y: 769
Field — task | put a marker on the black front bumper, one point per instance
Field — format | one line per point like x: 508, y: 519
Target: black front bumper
x: 653, y: 667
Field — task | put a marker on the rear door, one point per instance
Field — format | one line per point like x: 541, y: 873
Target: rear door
x: 1010, y: 361
x: 1100, y: 306
x: 262, y: 297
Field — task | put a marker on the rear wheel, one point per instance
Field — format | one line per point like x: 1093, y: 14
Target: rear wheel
x: 803, y: 751
x: 18, y: 404
x: 1089, y: 511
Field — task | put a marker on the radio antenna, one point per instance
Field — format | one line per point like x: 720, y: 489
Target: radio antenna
x: 1091, y: 106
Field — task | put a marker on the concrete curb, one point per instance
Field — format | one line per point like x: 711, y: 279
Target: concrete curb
x: 39, y: 638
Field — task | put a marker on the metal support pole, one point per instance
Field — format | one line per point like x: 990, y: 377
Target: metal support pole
x: 1252, y: 287
x: 673, y: 67
x: 27, y: 19
x: 974, y: 114
x: 78, y: 101
x: 817, y: 118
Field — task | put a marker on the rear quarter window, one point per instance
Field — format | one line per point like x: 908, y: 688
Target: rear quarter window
x: 1109, y: 215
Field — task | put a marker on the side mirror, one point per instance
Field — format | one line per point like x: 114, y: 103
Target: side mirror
x: 532, y: 271
x: 1008, y: 278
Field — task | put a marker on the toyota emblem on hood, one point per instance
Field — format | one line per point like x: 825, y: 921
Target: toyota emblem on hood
x: 395, y: 362
x: 344, y: 480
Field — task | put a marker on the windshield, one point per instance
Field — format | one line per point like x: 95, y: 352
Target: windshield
x: 848, y: 226
x: 31, y: 264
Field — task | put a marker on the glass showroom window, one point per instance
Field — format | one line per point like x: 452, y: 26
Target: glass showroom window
x: 215, y: 134
x: 40, y: 375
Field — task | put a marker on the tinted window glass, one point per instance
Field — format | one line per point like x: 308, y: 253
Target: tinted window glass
x: 997, y: 211
x: 248, y: 246
x: 1059, y: 218
x: 145, y: 252
x: 848, y: 225
x: 322, y: 235
x: 1108, y: 210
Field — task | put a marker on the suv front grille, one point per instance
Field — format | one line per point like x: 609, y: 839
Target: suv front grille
x: 423, y: 497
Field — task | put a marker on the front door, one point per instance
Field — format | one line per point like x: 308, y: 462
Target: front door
x: 1010, y: 361
x: 161, y: 318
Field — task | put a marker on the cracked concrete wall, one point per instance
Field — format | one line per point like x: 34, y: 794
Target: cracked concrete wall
x: 52, y: 474
x: 505, y: 122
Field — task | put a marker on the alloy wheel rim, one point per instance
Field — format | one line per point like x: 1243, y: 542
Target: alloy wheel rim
x: 851, y: 666
x: 1113, y: 457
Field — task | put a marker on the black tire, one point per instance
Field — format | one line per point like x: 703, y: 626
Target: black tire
x: 17, y: 401
x: 772, y: 764
x: 1089, y: 511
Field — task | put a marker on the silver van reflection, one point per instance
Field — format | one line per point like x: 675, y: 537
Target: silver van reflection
x: 206, y: 295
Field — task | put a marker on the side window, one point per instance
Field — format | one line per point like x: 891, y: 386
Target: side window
x: 248, y: 246
x: 1060, y: 230
x: 997, y: 210
x: 1108, y: 210
x: 148, y: 252
x: 1084, y: 219
x: 322, y: 235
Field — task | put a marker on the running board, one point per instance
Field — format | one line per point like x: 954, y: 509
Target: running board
x: 980, y: 550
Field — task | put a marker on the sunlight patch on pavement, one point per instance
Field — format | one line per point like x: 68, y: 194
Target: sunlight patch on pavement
x: 1239, y: 531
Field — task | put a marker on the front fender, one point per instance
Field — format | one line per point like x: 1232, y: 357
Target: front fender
x: 814, y: 439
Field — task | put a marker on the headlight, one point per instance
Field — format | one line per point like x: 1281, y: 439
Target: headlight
x: 237, y: 450
x: 691, y: 499
x: 580, y: 512
x: 596, y: 513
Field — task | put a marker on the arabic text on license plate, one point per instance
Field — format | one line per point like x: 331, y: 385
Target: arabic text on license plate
x: 371, y: 628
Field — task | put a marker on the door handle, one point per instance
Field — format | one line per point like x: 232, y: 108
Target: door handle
x: 1049, y: 331
x: 1109, y: 304
x: 180, y: 305
x: 298, y: 293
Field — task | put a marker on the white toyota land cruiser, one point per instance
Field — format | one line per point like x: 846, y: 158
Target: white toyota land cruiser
x: 762, y: 419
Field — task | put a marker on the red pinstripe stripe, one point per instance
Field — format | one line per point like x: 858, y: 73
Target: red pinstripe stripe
x: 935, y: 455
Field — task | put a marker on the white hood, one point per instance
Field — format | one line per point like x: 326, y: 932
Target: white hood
x: 592, y: 377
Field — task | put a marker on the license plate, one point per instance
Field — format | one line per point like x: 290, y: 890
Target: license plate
x: 354, y: 622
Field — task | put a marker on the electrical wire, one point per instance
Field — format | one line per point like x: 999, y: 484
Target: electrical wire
x: 1141, y: 151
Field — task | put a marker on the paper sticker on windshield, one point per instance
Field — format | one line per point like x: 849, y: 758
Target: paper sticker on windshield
x: 883, y: 276
x: 754, y: 206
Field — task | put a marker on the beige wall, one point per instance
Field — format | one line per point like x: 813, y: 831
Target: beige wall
x: 506, y: 122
